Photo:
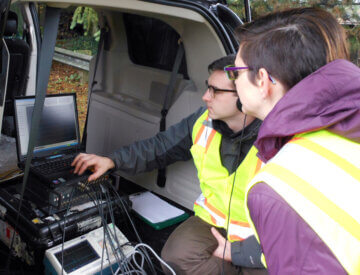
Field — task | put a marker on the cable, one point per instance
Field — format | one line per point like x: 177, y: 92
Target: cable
x: 148, y: 260
x: 154, y: 253
x: 104, y: 243
x: 126, y: 212
x: 101, y: 196
x: 64, y: 228
x: 122, y: 205
x: 133, y: 226
x: 231, y: 193
x: 142, y: 260
x: 138, y: 251
x: 104, y: 224
x: 110, y: 207
x: 112, y: 234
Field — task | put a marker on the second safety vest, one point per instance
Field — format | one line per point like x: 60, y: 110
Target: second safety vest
x: 318, y: 175
x: 217, y: 185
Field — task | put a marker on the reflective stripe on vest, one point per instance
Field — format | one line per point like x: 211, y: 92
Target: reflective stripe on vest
x: 205, y: 135
x: 216, y: 183
x: 318, y: 174
x: 237, y: 230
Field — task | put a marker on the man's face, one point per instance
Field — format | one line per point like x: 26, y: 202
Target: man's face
x: 221, y: 104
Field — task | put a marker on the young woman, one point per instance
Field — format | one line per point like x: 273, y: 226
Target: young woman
x: 291, y: 73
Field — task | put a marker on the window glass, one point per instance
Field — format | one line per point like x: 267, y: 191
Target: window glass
x: 20, y: 27
x: 77, y: 41
x: 152, y: 43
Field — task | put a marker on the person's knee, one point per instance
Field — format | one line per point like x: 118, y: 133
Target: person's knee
x: 166, y: 252
x: 189, y: 246
x: 170, y: 257
x: 172, y: 250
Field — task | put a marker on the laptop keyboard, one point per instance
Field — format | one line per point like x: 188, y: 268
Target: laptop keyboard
x: 54, y: 166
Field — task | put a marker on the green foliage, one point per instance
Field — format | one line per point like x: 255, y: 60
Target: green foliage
x: 82, y: 44
x: 88, y: 18
x: 58, y: 81
x: 346, y: 11
x: 354, y: 43
x: 74, y: 77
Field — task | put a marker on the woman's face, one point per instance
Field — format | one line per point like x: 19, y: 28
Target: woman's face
x: 248, y: 92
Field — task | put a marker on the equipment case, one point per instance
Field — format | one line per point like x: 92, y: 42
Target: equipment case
x: 38, y: 231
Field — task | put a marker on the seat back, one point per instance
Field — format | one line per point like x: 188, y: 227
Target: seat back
x: 17, y: 75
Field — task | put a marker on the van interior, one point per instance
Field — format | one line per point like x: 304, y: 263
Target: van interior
x: 129, y: 79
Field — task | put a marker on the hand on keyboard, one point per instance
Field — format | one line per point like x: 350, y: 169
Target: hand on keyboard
x: 98, y: 164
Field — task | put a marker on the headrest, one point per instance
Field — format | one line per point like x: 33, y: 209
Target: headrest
x: 11, y: 24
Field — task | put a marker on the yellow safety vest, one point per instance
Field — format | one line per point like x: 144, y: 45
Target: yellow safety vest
x: 216, y: 183
x: 318, y: 174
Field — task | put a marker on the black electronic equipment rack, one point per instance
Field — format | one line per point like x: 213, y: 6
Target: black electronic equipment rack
x: 38, y: 230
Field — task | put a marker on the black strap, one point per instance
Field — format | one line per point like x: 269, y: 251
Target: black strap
x: 161, y: 178
x: 46, y: 55
x: 52, y: 16
x: 103, y: 43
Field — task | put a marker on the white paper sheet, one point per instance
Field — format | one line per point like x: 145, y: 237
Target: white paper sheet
x: 153, y: 208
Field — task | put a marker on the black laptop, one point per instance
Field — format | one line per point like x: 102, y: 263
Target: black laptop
x: 58, y: 140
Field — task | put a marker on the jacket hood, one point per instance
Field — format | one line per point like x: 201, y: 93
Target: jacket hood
x: 328, y: 99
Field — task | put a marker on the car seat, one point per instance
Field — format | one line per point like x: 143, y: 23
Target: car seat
x: 17, y: 76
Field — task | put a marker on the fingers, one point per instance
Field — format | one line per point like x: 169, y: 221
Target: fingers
x: 219, y: 248
x: 224, y: 247
x: 98, y: 164
x: 78, y: 160
x: 217, y: 236
x: 87, y: 164
x: 82, y: 162
x: 101, y: 166
x: 97, y: 174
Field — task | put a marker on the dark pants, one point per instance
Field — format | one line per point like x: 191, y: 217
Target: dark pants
x: 189, y: 251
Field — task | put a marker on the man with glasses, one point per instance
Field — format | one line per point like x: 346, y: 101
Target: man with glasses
x: 218, y: 138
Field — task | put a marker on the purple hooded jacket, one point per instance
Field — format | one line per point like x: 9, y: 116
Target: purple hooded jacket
x: 327, y: 99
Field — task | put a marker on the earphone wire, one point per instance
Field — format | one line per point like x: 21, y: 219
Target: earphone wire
x: 231, y: 193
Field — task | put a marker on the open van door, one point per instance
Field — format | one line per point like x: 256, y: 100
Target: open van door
x: 229, y: 19
x: 134, y: 70
x: 4, y: 57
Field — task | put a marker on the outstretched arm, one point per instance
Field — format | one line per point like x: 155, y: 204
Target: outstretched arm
x: 156, y: 152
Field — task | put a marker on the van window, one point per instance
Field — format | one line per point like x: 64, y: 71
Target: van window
x: 20, y: 21
x: 152, y: 43
x: 76, y: 44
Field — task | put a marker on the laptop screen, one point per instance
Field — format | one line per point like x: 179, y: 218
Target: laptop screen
x: 58, y: 128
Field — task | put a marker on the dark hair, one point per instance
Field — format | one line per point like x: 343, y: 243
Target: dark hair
x: 292, y: 44
x: 219, y: 64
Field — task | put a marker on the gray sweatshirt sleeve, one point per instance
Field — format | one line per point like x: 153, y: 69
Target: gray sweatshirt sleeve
x: 159, y: 151
x: 247, y: 253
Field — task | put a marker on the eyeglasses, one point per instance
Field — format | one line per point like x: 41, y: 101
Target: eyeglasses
x: 232, y: 72
x: 213, y: 90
